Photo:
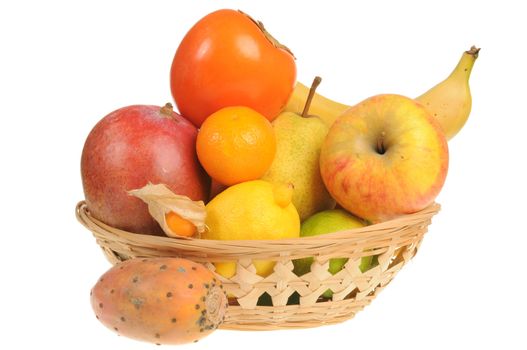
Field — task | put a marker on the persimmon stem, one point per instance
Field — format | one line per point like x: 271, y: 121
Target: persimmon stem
x: 314, y: 85
x: 268, y: 35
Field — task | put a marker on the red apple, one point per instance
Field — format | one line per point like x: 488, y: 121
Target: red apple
x: 130, y: 147
x: 384, y: 157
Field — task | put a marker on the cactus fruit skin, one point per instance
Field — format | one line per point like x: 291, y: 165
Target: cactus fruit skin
x: 159, y: 300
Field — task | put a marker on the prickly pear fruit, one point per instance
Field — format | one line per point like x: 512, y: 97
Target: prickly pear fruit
x: 159, y: 300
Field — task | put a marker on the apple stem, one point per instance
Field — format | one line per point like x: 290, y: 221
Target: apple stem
x: 314, y: 85
x: 380, y: 143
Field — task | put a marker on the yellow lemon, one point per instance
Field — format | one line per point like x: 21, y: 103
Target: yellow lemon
x: 252, y: 210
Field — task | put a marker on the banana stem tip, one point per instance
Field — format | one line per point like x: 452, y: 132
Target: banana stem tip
x: 474, y: 51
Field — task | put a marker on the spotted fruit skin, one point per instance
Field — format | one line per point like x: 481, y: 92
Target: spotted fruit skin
x: 159, y: 300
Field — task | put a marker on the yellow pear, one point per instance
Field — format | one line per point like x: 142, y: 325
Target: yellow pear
x: 299, y: 139
x: 326, y: 109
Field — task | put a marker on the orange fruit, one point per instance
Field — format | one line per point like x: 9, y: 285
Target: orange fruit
x: 180, y: 226
x: 236, y: 144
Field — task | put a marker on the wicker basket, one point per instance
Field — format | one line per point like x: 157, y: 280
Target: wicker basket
x: 394, y: 243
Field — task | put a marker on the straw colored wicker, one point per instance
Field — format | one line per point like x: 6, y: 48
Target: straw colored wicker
x: 394, y: 242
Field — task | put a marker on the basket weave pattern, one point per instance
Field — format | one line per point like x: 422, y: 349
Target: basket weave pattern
x: 394, y: 243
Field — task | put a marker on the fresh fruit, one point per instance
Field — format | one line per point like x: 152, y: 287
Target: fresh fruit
x: 298, y: 142
x: 159, y: 300
x: 326, y: 109
x: 329, y: 221
x: 127, y: 149
x: 236, y: 144
x: 384, y: 157
x: 450, y: 101
x: 180, y: 226
x: 178, y: 216
x: 229, y: 59
x: 252, y: 210
x: 215, y: 188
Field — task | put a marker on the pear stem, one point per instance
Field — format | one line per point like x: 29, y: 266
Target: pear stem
x: 314, y: 85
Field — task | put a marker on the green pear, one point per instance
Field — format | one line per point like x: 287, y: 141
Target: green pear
x: 299, y: 139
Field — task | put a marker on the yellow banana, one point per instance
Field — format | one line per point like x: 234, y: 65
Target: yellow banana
x: 326, y: 109
x: 450, y: 101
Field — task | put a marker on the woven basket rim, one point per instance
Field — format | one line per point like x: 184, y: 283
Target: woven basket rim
x: 392, y: 243
x: 359, y: 234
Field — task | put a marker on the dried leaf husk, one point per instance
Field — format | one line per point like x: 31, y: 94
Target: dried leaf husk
x: 161, y: 200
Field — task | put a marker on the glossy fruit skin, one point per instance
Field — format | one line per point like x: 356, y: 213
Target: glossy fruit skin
x: 236, y: 144
x: 127, y: 149
x: 384, y: 157
x: 323, y: 222
x: 450, y: 101
x: 257, y: 210
x: 226, y: 60
x: 159, y: 300
x: 179, y: 225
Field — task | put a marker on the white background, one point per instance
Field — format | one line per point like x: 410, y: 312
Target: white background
x: 64, y: 65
